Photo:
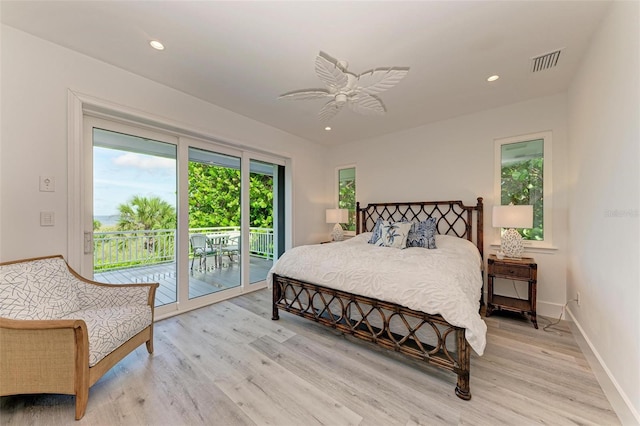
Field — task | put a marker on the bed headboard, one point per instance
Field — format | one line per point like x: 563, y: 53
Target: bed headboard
x: 453, y: 217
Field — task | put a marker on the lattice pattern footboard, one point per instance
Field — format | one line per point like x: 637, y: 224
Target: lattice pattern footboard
x: 419, y: 335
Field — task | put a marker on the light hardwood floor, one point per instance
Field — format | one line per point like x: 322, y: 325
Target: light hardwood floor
x: 229, y: 364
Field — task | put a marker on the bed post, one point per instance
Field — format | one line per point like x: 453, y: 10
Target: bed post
x: 275, y: 298
x: 464, y: 366
x: 358, y: 226
x: 480, y: 229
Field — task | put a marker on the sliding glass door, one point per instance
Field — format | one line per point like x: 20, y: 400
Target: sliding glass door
x: 214, y: 222
x: 204, y: 221
x: 263, y: 213
x: 134, y: 209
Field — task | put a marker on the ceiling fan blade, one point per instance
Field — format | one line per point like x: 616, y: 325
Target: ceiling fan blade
x: 365, y: 104
x: 330, y: 73
x: 380, y: 79
x: 299, y: 95
x: 329, y: 110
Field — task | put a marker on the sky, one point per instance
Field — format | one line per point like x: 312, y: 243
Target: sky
x: 119, y: 175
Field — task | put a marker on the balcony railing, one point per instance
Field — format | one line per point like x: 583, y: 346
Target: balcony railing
x: 122, y: 249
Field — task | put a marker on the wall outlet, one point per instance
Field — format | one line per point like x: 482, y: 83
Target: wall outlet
x: 578, y: 298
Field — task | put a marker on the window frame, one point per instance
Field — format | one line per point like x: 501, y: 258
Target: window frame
x: 547, y: 191
x: 336, y: 188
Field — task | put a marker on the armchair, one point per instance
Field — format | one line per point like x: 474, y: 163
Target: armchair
x: 60, y: 333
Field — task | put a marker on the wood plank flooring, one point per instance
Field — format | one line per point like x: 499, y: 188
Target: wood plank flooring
x: 229, y: 364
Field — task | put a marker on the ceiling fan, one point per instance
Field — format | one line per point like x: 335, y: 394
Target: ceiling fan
x: 358, y: 92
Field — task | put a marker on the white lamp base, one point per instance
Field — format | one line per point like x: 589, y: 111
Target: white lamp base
x: 337, y: 234
x: 511, y: 244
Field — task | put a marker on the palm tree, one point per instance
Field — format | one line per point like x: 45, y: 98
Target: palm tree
x: 142, y: 213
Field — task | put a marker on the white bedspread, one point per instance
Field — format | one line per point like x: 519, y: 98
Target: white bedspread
x: 445, y: 281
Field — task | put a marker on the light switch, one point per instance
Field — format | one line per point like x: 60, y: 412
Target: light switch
x: 47, y: 184
x: 47, y: 219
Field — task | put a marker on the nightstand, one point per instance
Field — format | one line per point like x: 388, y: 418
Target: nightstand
x: 524, y: 269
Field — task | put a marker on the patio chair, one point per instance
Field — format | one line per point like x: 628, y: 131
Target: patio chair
x: 230, y: 246
x: 201, y: 249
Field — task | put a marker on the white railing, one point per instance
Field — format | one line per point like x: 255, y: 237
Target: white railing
x: 261, y: 242
x: 121, y: 249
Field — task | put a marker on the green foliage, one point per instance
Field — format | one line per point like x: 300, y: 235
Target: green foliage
x: 347, y: 200
x: 522, y: 185
x: 261, y: 196
x: 214, y: 197
x: 96, y: 225
x: 142, y: 213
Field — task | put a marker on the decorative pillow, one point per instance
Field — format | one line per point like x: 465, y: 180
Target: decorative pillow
x: 394, y: 234
x: 376, y: 233
x: 423, y: 234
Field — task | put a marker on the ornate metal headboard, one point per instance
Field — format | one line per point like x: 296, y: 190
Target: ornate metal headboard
x: 452, y: 217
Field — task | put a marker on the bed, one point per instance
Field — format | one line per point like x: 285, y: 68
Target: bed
x: 420, y: 302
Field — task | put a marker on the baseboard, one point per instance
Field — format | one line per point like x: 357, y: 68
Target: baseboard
x: 548, y: 309
x: 618, y: 399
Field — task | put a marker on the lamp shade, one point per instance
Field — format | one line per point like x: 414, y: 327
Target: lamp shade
x: 512, y: 216
x: 337, y: 215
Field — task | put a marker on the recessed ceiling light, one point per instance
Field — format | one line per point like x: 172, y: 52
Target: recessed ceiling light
x: 493, y: 78
x: 327, y: 128
x: 156, y: 45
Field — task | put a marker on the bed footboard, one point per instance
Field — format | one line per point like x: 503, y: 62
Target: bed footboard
x: 422, y: 336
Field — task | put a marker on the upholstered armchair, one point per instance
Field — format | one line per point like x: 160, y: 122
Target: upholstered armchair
x: 59, y: 332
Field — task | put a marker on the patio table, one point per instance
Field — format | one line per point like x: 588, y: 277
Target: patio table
x: 217, y: 241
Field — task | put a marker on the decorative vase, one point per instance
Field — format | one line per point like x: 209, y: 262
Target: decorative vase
x: 511, y: 244
x: 337, y: 234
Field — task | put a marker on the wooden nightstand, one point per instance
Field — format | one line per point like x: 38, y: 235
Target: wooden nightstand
x: 524, y: 269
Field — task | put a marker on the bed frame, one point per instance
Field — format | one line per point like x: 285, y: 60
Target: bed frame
x: 417, y: 334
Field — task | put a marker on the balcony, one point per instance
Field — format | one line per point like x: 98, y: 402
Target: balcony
x: 150, y: 256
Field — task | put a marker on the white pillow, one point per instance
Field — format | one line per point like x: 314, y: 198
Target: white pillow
x: 394, y: 234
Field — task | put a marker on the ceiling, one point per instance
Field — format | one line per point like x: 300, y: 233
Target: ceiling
x: 243, y: 55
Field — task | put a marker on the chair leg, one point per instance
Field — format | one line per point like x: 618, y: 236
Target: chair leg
x: 82, y: 398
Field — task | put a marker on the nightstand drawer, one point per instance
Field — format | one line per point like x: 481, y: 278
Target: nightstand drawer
x: 515, y: 271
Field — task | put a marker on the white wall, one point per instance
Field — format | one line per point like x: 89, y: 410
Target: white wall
x: 604, y: 202
x: 36, y: 76
x: 454, y: 159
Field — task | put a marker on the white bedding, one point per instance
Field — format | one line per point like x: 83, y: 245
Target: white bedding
x: 445, y: 281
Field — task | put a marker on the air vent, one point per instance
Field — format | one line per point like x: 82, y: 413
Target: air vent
x: 546, y: 61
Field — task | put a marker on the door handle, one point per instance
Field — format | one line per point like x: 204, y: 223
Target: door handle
x: 88, y: 242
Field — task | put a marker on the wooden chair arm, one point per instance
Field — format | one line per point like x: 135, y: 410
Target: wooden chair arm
x: 14, y: 324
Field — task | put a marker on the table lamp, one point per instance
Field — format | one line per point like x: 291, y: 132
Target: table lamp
x: 512, y: 217
x: 337, y: 216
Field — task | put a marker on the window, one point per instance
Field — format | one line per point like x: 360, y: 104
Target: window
x: 523, y: 177
x: 347, y: 194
